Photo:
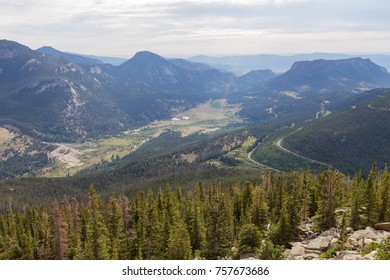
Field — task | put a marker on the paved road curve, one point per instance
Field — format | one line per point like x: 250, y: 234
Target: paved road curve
x: 279, y: 145
x: 258, y: 163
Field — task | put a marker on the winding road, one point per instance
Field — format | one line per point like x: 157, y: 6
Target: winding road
x: 279, y: 145
x: 258, y: 163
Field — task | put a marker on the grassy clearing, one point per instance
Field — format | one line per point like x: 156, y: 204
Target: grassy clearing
x: 205, y: 118
x: 240, y: 155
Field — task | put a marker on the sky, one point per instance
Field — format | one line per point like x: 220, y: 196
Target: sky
x: 185, y: 28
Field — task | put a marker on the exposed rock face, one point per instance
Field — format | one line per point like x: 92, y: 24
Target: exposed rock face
x: 351, y: 257
x: 363, y: 237
x: 383, y: 226
x: 319, y: 244
x: 324, y: 241
x: 297, y: 250
x: 312, y: 248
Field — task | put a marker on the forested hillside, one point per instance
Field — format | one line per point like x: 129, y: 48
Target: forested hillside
x: 211, y: 221
x: 351, y: 140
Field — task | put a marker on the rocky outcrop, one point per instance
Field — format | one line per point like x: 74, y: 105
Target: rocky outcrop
x: 361, y: 238
x: 324, y: 241
x: 297, y: 250
x: 312, y: 248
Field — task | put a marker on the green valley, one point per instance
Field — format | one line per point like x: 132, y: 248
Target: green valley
x: 69, y: 158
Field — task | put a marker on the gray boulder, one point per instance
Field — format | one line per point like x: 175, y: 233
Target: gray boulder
x: 332, y: 232
x: 319, y: 244
x: 360, y: 238
x: 324, y: 241
x: 352, y: 257
x: 341, y: 254
x: 297, y: 251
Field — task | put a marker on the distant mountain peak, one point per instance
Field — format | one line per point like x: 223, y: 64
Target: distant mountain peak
x: 148, y: 56
x: 69, y: 56
x: 46, y: 48
x: 145, y: 53
x: 10, y: 49
x: 356, y: 74
x: 350, y: 62
x: 142, y: 61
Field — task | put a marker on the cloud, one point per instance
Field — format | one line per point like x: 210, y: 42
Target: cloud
x: 116, y: 27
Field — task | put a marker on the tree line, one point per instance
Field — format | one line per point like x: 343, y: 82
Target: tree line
x: 206, y: 222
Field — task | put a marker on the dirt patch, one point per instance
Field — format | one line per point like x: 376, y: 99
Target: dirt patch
x: 190, y: 158
x: 67, y: 155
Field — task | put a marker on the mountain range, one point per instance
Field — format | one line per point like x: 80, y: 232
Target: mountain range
x: 60, y: 96
x: 56, y: 96
x: 215, y: 158
x: 310, y: 86
x: 278, y: 63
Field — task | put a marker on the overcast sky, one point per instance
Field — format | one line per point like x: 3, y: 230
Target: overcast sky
x: 186, y: 28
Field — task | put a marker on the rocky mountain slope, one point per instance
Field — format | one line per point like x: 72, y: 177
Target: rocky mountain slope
x: 310, y: 88
x: 71, y: 57
x: 60, y: 97
x: 321, y: 76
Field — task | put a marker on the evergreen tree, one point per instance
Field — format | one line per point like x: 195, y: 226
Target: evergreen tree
x: 329, y: 192
x: 270, y: 251
x: 356, y: 201
x: 384, y: 196
x: 293, y: 203
x: 370, y: 196
x: 306, y: 191
x: 219, y: 224
x: 116, y: 231
x: 280, y: 233
x: 179, y: 242
x: 246, y: 200
x: 140, y: 220
x: 45, y: 250
x: 249, y: 238
x: 259, y: 209
x: 96, y: 239
x: 155, y: 235
x: 343, y: 231
x: 197, y: 225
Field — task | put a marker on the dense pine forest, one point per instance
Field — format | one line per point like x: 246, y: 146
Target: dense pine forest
x: 213, y: 221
